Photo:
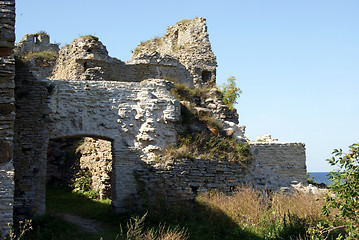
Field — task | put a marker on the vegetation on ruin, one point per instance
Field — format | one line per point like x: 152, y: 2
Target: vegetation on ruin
x: 209, y: 144
x: 184, y: 21
x: 89, y: 37
x: 184, y: 93
x: 45, y: 55
x: 82, y: 184
x: 42, y: 32
x: 230, y: 92
x: 247, y: 214
x: 22, y: 60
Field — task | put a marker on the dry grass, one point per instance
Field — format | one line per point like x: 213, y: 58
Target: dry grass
x: 244, y: 207
x: 269, y: 215
x: 303, y: 205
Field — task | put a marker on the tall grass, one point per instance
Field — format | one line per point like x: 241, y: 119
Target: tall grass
x: 268, y: 215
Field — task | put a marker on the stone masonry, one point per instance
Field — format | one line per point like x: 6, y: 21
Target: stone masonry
x: 7, y: 114
x: 88, y: 94
x: 187, y: 41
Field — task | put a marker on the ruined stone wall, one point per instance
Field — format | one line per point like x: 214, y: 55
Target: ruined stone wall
x: 185, y: 179
x: 30, y: 143
x: 274, y: 166
x: 277, y: 164
x: 87, y: 59
x: 188, y: 42
x: 139, y: 119
x: 7, y: 114
x: 35, y: 42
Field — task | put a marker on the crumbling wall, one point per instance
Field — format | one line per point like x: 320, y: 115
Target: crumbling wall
x: 36, y: 51
x: 7, y: 114
x: 139, y: 119
x: 277, y: 164
x: 87, y: 59
x: 35, y: 42
x: 186, y: 41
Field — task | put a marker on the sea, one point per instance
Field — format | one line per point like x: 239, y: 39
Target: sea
x: 320, y: 177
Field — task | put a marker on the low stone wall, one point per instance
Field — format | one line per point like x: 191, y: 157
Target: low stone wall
x: 274, y: 166
x: 277, y: 164
x: 185, y: 179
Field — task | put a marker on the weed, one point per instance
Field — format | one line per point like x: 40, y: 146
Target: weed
x: 82, y: 184
x: 42, y: 32
x: 182, y: 92
x: 45, y: 55
x: 89, y: 37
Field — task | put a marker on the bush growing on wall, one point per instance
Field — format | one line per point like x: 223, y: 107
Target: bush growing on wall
x: 230, y: 92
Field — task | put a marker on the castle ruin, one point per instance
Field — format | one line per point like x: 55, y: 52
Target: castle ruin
x: 82, y: 92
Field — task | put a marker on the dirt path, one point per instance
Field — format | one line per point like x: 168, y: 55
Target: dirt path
x: 87, y: 225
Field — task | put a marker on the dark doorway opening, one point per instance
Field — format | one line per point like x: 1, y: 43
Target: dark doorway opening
x: 83, y: 164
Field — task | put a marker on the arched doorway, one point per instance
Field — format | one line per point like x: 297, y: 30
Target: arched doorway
x: 81, y: 164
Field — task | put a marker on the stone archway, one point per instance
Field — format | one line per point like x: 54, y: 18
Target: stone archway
x: 138, y: 118
x: 70, y: 160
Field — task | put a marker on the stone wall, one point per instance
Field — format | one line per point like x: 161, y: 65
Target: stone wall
x: 185, y: 179
x: 30, y: 143
x: 274, y: 166
x: 138, y: 118
x: 35, y: 42
x: 277, y: 164
x: 87, y: 59
x: 7, y: 114
x: 188, y: 42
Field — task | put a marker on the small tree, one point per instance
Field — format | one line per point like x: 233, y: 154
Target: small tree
x: 230, y: 92
x: 344, y: 196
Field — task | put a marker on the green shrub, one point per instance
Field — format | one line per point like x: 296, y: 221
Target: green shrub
x: 82, y: 184
x: 230, y: 92
x: 344, y: 197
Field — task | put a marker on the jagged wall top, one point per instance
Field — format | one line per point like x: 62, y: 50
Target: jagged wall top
x: 35, y: 42
x: 74, y: 59
x: 187, y: 41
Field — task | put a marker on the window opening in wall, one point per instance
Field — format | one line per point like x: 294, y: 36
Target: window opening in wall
x: 79, y: 168
x: 206, y: 76
x: 85, y: 66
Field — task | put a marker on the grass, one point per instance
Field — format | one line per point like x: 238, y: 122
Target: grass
x: 89, y: 37
x: 207, y: 146
x: 183, y: 93
x: 46, y: 55
x: 247, y: 214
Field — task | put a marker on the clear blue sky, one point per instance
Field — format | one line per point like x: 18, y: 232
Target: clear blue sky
x: 297, y: 62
